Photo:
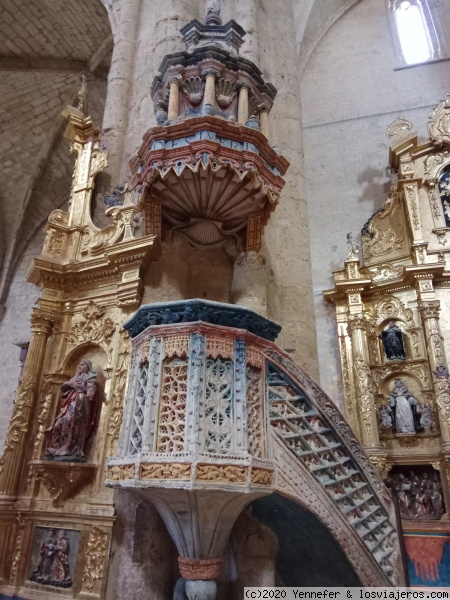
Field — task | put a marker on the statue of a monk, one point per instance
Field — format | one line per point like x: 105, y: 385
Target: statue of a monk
x: 66, y: 440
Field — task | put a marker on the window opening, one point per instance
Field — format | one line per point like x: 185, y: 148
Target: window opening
x: 414, y: 32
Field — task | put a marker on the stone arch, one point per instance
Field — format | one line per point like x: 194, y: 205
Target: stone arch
x: 303, y: 540
x: 323, y: 15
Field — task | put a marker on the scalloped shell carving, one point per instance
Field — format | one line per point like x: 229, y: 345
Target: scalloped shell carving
x: 225, y: 92
x: 193, y: 87
x: 203, y: 232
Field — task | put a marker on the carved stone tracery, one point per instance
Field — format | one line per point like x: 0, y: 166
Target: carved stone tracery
x: 171, y: 430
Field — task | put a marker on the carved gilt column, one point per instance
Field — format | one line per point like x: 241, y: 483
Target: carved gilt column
x: 365, y: 387
x: 429, y: 311
x: 15, y: 447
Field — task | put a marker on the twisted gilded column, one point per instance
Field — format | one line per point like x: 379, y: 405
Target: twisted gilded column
x: 19, y: 427
x: 429, y: 311
x: 365, y: 386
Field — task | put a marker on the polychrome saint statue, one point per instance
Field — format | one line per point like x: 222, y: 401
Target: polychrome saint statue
x: 66, y: 439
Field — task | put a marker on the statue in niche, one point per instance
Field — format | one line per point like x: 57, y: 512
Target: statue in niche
x: 53, y: 567
x: 66, y: 439
x: 42, y: 573
x: 60, y: 567
x: 419, y: 494
x: 425, y: 417
x: 385, y: 415
x: 404, y: 407
x: 393, y: 345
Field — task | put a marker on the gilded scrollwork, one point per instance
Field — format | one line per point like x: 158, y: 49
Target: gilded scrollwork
x: 62, y: 481
x: 42, y: 413
x: 18, y: 424
x: 439, y: 123
x: 443, y: 398
x: 93, y: 326
x: 419, y: 371
x: 346, y: 376
x: 384, y: 233
x: 56, y: 242
x: 411, y: 196
x: 382, y: 465
x: 386, y: 272
x: 17, y: 553
x: 388, y: 308
x: 399, y: 128
x: 366, y: 389
x: 59, y: 217
x: 96, y: 554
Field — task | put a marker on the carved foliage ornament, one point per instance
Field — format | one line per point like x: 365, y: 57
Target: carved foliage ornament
x: 221, y: 473
x: 19, y: 421
x: 399, y: 128
x: 61, y: 482
x: 382, y: 465
x: 439, y: 123
x: 430, y: 310
x: 119, y: 472
x: 384, y: 232
x: 17, y: 548
x: 92, y: 327
x: 94, y: 566
x: 44, y: 406
x: 386, y: 272
x: 165, y: 471
x: 366, y: 389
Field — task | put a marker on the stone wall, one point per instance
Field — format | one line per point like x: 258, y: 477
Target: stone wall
x: 15, y: 328
x: 350, y: 94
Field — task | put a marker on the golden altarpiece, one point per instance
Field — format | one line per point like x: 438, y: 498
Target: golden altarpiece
x: 399, y: 292
x: 90, y: 282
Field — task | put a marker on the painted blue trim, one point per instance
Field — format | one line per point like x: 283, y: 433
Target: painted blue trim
x: 213, y: 137
x: 3, y: 597
x: 193, y: 311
